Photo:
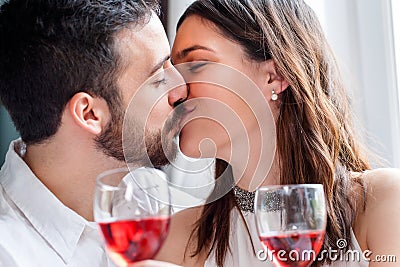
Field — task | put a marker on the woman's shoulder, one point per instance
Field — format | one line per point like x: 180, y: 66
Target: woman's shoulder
x: 382, y: 173
x: 383, y: 183
x: 379, y: 186
x: 381, y: 217
x: 383, y: 190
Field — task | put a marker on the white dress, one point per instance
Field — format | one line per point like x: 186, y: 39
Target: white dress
x: 242, y: 254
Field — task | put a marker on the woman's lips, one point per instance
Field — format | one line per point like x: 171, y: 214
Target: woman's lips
x: 186, y: 116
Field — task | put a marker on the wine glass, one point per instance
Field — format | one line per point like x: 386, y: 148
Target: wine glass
x: 291, y: 222
x: 132, y: 208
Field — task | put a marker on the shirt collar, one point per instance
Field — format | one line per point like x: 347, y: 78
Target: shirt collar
x: 60, y: 226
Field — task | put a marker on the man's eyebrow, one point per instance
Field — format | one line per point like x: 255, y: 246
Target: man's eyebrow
x: 159, y: 65
x: 188, y: 50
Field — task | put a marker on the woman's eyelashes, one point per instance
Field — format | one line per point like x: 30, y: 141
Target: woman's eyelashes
x: 196, y: 67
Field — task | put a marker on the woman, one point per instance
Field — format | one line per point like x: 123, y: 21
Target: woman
x: 280, y: 46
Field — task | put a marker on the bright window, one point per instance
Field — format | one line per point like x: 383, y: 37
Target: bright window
x: 396, y: 33
x: 319, y: 8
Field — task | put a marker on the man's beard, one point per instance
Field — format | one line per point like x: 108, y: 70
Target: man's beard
x: 129, y: 141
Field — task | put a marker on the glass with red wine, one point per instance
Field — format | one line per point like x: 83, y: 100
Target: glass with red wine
x: 132, y: 208
x: 291, y: 222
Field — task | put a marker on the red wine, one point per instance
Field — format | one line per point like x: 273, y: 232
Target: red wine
x: 135, y: 240
x: 297, y: 249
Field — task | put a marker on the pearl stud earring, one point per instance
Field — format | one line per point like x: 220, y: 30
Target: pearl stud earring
x: 274, y: 96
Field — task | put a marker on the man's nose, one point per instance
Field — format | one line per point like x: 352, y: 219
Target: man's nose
x: 179, y: 93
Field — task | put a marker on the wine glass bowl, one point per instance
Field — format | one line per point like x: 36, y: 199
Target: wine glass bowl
x: 291, y: 222
x: 132, y: 208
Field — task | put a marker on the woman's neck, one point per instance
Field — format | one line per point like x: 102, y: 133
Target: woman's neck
x: 256, y: 174
x: 254, y: 163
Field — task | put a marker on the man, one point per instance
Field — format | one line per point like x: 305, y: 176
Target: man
x: 68, y: 71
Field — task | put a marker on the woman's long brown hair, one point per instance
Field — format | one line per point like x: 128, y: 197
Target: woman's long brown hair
x: 315, y: 139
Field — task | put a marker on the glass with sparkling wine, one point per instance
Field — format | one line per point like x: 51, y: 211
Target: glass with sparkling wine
x: 132, y: 208
x: 291, y: 222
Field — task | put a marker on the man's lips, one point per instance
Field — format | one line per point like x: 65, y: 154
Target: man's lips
x: 182, y: 114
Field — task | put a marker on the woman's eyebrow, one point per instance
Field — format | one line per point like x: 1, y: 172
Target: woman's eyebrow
x: 182, y: 54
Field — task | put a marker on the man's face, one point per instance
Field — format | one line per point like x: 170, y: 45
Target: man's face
x: 141, y: 131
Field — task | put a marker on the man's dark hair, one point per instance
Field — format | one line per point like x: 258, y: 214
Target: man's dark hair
x: 52, y: 49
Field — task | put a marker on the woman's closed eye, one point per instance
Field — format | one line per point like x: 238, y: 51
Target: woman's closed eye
x: 196, y: 67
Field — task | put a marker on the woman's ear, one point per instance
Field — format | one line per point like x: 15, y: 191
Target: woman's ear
x: 91, y: 114
x: 274, y: 83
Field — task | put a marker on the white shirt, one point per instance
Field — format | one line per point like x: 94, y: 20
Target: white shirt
x: 36, y: 229
x: 193, y: 179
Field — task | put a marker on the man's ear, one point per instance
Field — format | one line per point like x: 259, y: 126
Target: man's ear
x: 274, y: 82
x: 91, y: 114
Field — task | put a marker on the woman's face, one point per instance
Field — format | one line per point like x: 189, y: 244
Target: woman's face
x: 225, y: 115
